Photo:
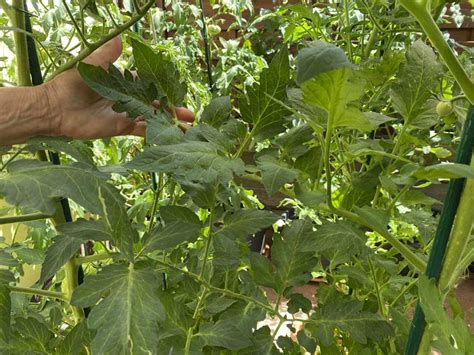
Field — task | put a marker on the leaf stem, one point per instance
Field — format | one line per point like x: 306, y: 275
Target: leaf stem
x: 23, y: 218
x: 93, y: 258
x: 93, y: 46
x: 377, y: 290
x: 39, y: 292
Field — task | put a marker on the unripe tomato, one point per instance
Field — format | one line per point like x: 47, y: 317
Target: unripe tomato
x: 213, y: 30
x: 444, y: 108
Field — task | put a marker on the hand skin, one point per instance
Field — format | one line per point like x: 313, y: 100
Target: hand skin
x: 67, y: 107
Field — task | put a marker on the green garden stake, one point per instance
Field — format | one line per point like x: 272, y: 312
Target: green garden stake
x: 438, y: 251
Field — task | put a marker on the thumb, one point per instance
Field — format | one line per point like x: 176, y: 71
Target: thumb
x: 106, y: 54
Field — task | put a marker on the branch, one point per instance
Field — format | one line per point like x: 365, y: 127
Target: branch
x: 93, y: 46
x: 39, y: 292
x: 23, y: 218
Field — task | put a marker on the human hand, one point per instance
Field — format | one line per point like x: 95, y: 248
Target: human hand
x: 80, y: 113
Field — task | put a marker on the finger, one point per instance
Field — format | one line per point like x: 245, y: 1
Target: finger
x: 106, y: 54
x: 183, y: 113
x: 139, y: 129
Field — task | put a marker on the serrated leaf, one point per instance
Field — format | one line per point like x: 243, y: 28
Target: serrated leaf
x: 159, y: 70
x: 39, y: 187
x: 126, y: 320
x: 339, y: 241
x: 338, y: 312
x: 217, y: 112
x: 262, y: 270
x: 5, y: 306
x: 223, y: 334
x: 294, y: 254
x: 292, y: 142
x: 264, y: 113
x: 30, y: 336
x: 67, y: 243
x: 335, y: 92
x: 129, y: 95
x: 75, y: 340
x: 415, y: 82
x: 194, y: 161
x: 245, y: 222
x: 6, y: 259
x: 180, y: 229
x: 299, y: 302
x: 275, y: 174
x: 226, y: 253
x: 441, y: 327
x: 318, y: 58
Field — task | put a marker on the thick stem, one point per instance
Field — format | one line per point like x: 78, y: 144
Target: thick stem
x: 21, y: 48
x: 459, y: 236
x: 422, y: 14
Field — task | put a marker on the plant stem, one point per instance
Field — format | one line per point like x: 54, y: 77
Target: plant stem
x: 93, y: 258
x: 431, y: 29
x: 21, y: 49
x: 348, y: 29
x: 76, y: 26
x: 93, y: 46
x: 23, y: 218
x: 460, y: 235
x: 189, y: 337
x: 377, y: 290
x: 39, y: 292
x: 226, y: 292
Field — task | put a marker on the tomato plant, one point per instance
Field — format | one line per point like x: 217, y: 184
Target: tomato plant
x: 331, y: 111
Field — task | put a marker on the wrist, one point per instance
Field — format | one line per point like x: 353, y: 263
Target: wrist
x: 25, y: 112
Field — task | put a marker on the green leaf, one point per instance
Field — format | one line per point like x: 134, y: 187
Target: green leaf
x: 243, y: 223
x: 5, y: 306
x: 126, y: 320
x: 223, y: 334
x: 262, y: 270
x: 318, y: 58
x: 442, y: 328
x: 129, y: 95
x: 445, y: 171
x: 226, y: 253
x: 30, y: 256
x: 6, y: 259
x: 217, y: 112
x: 275, y: 174
x: 298, y: 302
x: 181, y: 225
x: 159, y: 70
x: 30, y: 336
x: 293, y: 254
x: 335, y: 92
x: 339, y: 242
x: 67, y: 243
x: 292, y: 143
x: 339, y: 312
x: 194, y: 161
x: 39, y: 186
x: 265, y: 114
x: 415, y: 82
x: 75, y: 340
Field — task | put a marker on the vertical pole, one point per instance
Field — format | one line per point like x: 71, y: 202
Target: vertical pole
x: 438, y: 250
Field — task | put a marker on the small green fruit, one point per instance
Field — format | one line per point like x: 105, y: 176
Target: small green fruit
x: 444, y: 108
x: 213, y: 30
